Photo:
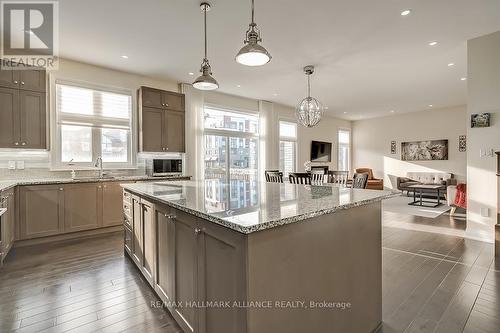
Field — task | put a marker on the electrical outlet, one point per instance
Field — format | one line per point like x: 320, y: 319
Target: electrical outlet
x: 20, y: 165
x: 12, y: 165
x: 485, y: 212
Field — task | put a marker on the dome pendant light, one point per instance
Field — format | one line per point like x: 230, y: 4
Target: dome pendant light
x: 205, y: 81
x: 309, y: 111
x: 253, y: 54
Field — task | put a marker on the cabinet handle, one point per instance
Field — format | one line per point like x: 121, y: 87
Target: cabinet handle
x: 22, y: 83
x: 197, y: 231
x: 99, y: 186
x: 170, y: 216
x: 166, y: 105
x: 163, y: 148
x: 60, y: 189
x: 23, y: 143
x: 15, y: 82
x: 16, y: 143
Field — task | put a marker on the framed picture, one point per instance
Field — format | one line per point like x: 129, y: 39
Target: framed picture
x: 424, y: 150
x: 480, y: 120
x: 393, y: 147
x: 462, y: 143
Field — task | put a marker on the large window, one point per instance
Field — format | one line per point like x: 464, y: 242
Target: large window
x: 92, y: 123
x: 288, y: 147
x: 344, y: 136
x: 231, y: 158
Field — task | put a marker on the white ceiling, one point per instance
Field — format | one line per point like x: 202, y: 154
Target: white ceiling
x: 369, y: 59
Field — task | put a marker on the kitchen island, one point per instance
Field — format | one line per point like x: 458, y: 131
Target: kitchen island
x: 250, y: 257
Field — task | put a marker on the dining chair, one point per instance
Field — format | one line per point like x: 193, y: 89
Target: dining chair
x: 274, y: 176
x: 317, y: 176
x: 338, y: 177
x: 299, y: 178
x: 359, y: 180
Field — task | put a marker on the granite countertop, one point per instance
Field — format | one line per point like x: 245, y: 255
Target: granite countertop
x: 248, y: 207
x: 7, y: 184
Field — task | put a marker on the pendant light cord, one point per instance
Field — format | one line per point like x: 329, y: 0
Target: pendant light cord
x: 253, y: 15
x: 205, y: 16
x: 308, y: 85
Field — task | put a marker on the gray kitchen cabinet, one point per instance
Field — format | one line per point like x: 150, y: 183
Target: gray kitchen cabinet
x: 7, y: 200
x: 32, y: 120
x: 164, y: 260
x: 82, y: 206
x: 148, y: 241
x: 23, y: 109
x: 136, y: 230
x: 9, y: 117
x: 112, y: 202
x: 41, y: 210
x: 161, y: 120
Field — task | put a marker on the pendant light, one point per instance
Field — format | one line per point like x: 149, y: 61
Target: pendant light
x: 253, y: 54
x: 309, y: 111
x: 205, y: 81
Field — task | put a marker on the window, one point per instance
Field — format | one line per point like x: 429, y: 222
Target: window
x: 92, y: 123
x: 344, y: 136
x: 231, y: 142
x: 288, y: 147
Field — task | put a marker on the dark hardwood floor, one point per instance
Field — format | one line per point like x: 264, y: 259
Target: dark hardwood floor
x: 431, y: 283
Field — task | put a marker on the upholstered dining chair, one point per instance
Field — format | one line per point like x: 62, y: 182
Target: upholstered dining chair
x: 338, y: 177
x: 274, y: 176
x: 299, y: 178
x: 359, y: 180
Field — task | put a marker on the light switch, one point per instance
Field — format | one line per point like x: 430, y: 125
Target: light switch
x: 485, y: 212
x: 12, y: 165
x: 20, y: 165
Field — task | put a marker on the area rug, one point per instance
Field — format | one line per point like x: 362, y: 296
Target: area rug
x: 400, y: 205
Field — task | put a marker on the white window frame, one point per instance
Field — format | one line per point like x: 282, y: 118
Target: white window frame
x: 344, y: 129
x: 229, y: 133
x: 55, y: 129
x: 289, y: 139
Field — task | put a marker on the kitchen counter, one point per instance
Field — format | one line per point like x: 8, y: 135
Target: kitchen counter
x: 7, y: 184
x: 264, y: 206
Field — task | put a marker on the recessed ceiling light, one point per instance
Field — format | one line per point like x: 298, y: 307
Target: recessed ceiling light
x: 463, y: 79
x: 191, y: 73
x: 392, y: 111
x: 238, y: 85
x: 275, y: 94
x: 430, y: 105
x: 433, y: 43
x: 124, y: 57
x: 451, y: 64
x: 345, y: 112
x: 406, y: 12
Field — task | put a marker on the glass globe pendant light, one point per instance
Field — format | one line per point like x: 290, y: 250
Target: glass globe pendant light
x: 205, y: 81
x: 309, y: 111
x: 253, y: 54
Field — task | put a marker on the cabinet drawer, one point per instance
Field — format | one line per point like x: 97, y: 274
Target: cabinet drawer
x: 127, y: 197
x: 127, y: 210
x: 127, y: 240
x: 127, y: 221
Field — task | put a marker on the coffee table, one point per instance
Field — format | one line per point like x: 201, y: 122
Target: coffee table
x: 427, y: 188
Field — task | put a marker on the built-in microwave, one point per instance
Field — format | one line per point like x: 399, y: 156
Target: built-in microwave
x: 158, y: 167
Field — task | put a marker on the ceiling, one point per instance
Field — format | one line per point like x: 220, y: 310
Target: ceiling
x: 369, y: 59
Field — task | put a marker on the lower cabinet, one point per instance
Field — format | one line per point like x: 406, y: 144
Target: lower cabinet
x: 112, y: 201
x: 136, y: 230
x: 82, y: 207
x: 194, y: 262
x: 7, y: 226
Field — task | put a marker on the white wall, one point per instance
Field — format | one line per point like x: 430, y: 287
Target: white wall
x: 483, y: 96
x: 372, y: 142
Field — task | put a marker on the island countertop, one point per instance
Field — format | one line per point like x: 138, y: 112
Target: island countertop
x: 249, y: 207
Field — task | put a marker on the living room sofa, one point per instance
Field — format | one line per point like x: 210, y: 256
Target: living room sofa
x: 418, y: 178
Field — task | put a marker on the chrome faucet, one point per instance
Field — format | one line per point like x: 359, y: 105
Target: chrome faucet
x: 98, y: 164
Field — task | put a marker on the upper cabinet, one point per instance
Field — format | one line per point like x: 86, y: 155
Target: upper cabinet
x: 23, y: 121
x: 161, y: 121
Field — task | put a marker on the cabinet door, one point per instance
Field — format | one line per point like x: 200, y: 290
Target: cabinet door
x: 174, y: 131
x: 136, y: 231
x: 165, y: 260
x: 221, y: 276
x: 152, y: 97
x: 127, y: 239
x: 173, y: 101
x: 41, y: 211
x: 7, y: 225
x: 32, y: 80
x: 82, y: 206
x: 152, y: 129
x: 9, y: 79
x: 32, y: 119
x: 185, y: 269
x: 148, y: 241
x: 112, y: 204
x: 9, y: 117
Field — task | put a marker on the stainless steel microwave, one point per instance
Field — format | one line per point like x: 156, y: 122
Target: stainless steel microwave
x: 159, y: 167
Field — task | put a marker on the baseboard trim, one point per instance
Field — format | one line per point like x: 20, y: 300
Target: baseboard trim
x: 70, y: 236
